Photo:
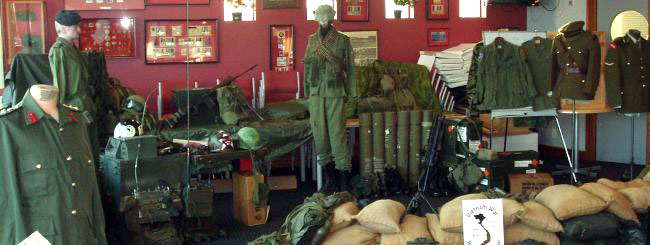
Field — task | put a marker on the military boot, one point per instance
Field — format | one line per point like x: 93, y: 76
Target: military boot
x: 344, y: 180
x: 330, y: 182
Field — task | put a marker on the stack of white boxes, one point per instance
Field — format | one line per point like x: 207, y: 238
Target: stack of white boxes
x: 453, y: 64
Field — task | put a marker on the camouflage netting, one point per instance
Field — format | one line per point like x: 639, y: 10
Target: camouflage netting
x: 409, y: 89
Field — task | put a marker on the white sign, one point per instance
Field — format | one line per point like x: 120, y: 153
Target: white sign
x: 35, y: 239
x: 483, y: 222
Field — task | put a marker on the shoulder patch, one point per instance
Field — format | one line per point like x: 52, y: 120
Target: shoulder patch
x: 71, y: 107
x: 6, y: 111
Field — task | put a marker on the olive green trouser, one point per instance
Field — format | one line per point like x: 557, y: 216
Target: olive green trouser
x: 327, y: 120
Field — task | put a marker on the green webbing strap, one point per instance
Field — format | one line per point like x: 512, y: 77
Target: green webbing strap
x: 261, y: 193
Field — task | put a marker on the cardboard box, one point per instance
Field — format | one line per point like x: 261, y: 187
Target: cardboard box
x: 244, y: 210
x: 276, y: 183
x: 529, y: 182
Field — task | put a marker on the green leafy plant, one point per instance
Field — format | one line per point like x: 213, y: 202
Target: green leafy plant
x: 239, y: 3
x: 404, y: 2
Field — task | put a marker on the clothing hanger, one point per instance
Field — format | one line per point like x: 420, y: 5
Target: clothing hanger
x: 499, y: 41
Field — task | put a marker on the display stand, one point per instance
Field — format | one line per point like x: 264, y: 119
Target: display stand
x: 528, y: 112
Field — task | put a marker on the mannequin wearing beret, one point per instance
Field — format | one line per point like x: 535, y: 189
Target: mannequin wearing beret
x: 70, y: 72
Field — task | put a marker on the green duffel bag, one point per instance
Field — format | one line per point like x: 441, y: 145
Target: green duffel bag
x: 591, y: 227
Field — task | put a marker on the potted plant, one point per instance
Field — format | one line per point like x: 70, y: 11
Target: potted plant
x: 398, y: 13
x: 236, y: 16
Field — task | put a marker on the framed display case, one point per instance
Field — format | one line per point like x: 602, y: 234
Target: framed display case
x: 25, y: 23
x: 437, y: 9
x: 103, y: 4
x: 438, y: 36
x: 282, y: 47
x: 354, y: 10
x: 181, y: 41
x: 114, y: 37
x: 178, y: 2
x: 279, y: 4
x: 365, y: 45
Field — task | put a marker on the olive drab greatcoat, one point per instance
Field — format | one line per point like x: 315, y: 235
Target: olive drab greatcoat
x: 627, y: 75
x: 47, y: 177
x: 329, y: 79
x: 576, y: 63
x: 537, y: 53
x: 70, y: 75
x: 503, y: 79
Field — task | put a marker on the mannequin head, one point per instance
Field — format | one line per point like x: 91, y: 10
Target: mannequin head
x: 67, y: 25
x: 324, y: 15
x: 634, y: 33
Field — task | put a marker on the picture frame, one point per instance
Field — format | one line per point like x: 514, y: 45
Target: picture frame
x: 25, y: 27
x: 438, y: 37
x: 103, y: 4
x: 365, y: 46
x: 437, y: 9
x: 115, y: 37
x: 280, y: 4
x: 282, y: 46
x: 181, y: 41
x: 177, y: 2
x: 354, y: 10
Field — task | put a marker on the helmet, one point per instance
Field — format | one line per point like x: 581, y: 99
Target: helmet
x: 127, y: 128
x: 134, y: 103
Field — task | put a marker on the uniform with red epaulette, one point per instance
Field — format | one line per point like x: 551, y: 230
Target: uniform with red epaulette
x: 627, y: 73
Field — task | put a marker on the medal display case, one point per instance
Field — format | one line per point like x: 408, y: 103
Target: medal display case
x: 114, y: 37
x: 180, y: 41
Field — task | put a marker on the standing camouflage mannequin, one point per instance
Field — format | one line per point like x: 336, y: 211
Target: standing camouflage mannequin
x: 47, y: 180
x: 329, y: 79
x: 70, y: 72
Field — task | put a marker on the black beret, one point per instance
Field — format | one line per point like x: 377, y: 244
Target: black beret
x: 68, y: 18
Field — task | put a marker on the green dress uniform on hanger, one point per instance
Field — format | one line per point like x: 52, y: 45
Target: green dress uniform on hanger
x: 537, y: 53
x: 627, y: 74
x: 329, y: 79
x: 47, y: 177
x: 576, y: 63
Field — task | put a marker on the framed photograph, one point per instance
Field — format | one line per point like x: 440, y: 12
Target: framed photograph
x: 178, y: 41
x: 438, y: 36
x: 280, y: 4
x: 25, y: 23
x: 437, y: 9
x: 282, y: 47
x: 354, y: 10
x: 365, y: 46
x: 103, y: 4
x: 177, y: 2
x: 115, y: 37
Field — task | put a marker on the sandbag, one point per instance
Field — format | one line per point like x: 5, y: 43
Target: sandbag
x: 567, y: 201
x: 382, y: 216
x: 412, y: 227
x: 618, y: 205
x: 441, y: 236
x: 293, y: 109
x: 451, y: 214
x: 591, y: 227
x: 375, y: 104
x: 343, y: 216
x: 616, y: 185
x: 540, y: 217
x: 232, y: 104
x: 637, y: 183
x: 352, y: 235
x: 510, y: 210
x: 521, y: 232
x: 639, y: 196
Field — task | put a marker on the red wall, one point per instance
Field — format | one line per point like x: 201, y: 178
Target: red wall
x: 243, y: 44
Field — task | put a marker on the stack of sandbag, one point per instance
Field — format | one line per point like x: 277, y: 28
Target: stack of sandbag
x: 378, y: 218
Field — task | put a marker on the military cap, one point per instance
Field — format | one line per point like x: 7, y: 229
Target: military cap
x: 68, y: 18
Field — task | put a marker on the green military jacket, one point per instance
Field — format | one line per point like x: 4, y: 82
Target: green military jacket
x: 473, y: 69
x: 627, y: 74
x: 329, y: 65
x: 537, y: 53
x: 503, y: 78
x: 70, y: 75
x: 576, y: 63
x: 47, y: 177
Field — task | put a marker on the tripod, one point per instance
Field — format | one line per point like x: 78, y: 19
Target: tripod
x: 435, y: 136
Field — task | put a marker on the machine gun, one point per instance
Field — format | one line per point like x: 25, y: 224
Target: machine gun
x: 205, y: 98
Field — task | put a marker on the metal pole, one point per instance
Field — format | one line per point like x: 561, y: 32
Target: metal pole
x: 566, y: 150
x: 159, y: 101
x: 632, y: 150
x: 576, y: 149
x: 505, y: 137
